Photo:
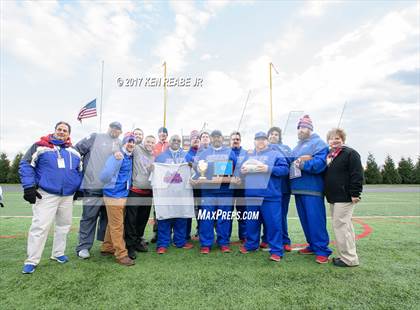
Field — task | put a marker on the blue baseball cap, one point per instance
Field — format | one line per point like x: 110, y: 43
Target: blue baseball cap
x: 116, y: 125
x: 216, y: 133
x: 260, y: 135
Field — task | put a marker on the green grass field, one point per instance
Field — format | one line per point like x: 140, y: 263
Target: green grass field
x: 388, y: 277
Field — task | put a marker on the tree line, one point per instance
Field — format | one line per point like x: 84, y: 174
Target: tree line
x: 405, y: 173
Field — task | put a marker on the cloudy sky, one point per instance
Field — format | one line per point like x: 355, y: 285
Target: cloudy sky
x: 326, y: 53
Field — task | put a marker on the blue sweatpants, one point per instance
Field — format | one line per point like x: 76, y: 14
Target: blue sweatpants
x: 179, y: 226
x: 240, y: 209
x: 223, y: 225
x: 312, y: 215
x: 269, y: 216
x: 284, y: 211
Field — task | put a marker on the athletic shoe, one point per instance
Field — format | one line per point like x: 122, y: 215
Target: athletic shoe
x: 83, y: 254
x: 61, y: 259
x: 126, y: 261
x: 321, y: 259
x: 287, y: 248
x: 188, y: 246
x: 28, y: 269
x: 306, y: 251
x: 275, y: 257
x: 339, y: 263
x: 243, y: 250
x: 205, y: 250
x: 142, y: 247
x: 161, y: 250
x: 263, y: 245
x: 225, y: 249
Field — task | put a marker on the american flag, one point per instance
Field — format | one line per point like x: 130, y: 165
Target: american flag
x: 87, y: 111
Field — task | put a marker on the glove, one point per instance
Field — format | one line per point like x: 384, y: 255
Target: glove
x: 31, y: 194
x: 77, y: 195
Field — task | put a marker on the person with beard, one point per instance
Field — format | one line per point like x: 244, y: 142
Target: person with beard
x: 95, y: 150
x: 191, y: 158
x: 216, y: 196
x: 238, y: 190
x: 138, y: 133
x: 173, y: 155
x: 116, y: 175
x: 307, y: 184
x: 50, y: 172
x: 275, y: 140
x: 139, y: 201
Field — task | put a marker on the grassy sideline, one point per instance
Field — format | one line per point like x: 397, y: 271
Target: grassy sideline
x: 386, y: 279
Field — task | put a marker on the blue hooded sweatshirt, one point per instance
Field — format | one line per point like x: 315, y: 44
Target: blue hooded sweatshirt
x: 268, y: 184
x: 116, y: 175
x: 312, y: 181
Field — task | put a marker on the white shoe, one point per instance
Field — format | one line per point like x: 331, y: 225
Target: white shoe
x: 84, y: 254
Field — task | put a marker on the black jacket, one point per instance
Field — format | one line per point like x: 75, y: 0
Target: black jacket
x: 344, y: 177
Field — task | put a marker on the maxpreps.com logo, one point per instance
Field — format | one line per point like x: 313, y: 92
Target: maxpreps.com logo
x: 172, y: 177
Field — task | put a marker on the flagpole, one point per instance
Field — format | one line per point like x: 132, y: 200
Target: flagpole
x: 271, y: 96
x: 102, y: 91
x: 164, y: 94
x: 341, y: 116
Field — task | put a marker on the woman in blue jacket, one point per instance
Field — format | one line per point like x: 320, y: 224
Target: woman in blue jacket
x: 116, y: 177
x: 263, y: 172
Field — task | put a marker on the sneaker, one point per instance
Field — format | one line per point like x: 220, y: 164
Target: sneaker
x: 126, y: 261
x: 132, y: 253
x: 188, y: 246
x: 306, y: 251
x: 243, y: 250
x: 83, y: 254
x: 225, y: 249
x: 28, y: 269
x: 154, y: 238
x: 205, y: 250
x: 339, y: 263
x: 287, y: 248
x: 61, y: 259
x: 142, y: 247
x: 161, y: 250
x: 321, y: 259
x: 275, y: 257
x: 264, y: 246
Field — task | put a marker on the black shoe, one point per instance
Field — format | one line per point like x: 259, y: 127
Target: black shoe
x: 154, y: 238
x: 339, y: 263
x: 142, y: 247
x: 132, y: 253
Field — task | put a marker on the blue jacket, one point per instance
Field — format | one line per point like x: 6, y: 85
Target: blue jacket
x: 286, y: 152
x: 171, y: 157
x: 312, y: 180
x: 211, y: 155
x: 116, y: 175
x: 191, y: 156
x: 39, y: 167
x: 269, y: 184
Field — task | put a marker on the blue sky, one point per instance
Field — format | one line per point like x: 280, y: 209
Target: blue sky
x: 365, y: 53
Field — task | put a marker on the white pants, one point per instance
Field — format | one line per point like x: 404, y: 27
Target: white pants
x: 341, y: 213
x: 45, y: 211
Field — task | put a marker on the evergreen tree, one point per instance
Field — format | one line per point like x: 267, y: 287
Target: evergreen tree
x: 417, y: 171
x: 389, y: 173
x: 406, y: 170
x: 13, y: 175
x: 4, y: 167
x: 372, y: 173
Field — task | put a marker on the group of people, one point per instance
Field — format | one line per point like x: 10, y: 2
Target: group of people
x: 112, y: 177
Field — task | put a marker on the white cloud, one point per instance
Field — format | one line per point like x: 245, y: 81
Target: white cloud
x: 315, y: 8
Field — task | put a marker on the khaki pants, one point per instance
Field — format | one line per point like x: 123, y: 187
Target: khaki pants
x: 341, y: 214
x: 114, y: 235
x: 51, y: 208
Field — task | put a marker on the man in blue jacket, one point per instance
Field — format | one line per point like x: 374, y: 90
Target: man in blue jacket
x: 307, y: 184
x: 216, y: 197
x: 173, y: 155
x: 116, y: 177
x: 263, y: 172
x: 50, y: 173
